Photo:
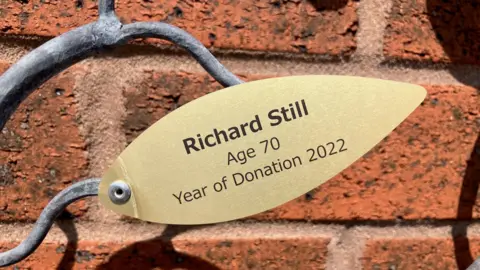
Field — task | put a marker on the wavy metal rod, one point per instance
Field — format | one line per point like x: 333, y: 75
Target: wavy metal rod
x: 59, y: 53
x: 54, y: 208
x: 178, y: 36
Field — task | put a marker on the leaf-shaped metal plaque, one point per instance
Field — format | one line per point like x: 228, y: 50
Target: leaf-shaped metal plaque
x: 251, y: 147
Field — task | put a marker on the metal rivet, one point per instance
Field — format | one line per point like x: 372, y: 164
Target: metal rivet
x: 119, y: 192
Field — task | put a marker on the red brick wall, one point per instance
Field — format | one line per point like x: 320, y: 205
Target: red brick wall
x: 410, y: 203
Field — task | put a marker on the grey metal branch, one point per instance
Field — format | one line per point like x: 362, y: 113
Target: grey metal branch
x: 47, y: 217
x: 106, y: 7
x: 185, y: 40
x: 54, y: 56
x: 38, y: 66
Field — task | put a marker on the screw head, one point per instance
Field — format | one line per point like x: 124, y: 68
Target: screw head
x: 119, y: 192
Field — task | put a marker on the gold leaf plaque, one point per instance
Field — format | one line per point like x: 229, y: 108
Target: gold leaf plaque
x: 254, y: 146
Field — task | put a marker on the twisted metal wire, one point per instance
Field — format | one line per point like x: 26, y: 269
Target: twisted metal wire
x: 54, y: 56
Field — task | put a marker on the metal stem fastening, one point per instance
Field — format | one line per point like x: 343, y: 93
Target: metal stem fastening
x: 119, y: 192
x: 56, y: 55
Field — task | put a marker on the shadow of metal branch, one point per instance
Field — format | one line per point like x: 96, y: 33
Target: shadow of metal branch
x: 68, y: 227
x: 156, y: 253
x: 468, y: 197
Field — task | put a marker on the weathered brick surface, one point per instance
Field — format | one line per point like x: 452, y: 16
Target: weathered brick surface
x: 148, y: 100
x: 159, y: 93
x: 423, y: 253
x: 41, y: 151
x: 182, y: 254
x: 415, y: 173
x: 44, y: 18
x: 434, y: 30
x: 284, y: 26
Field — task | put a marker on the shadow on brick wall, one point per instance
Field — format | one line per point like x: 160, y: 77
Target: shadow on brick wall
x: 328, y: 4
x: 66, y: 224
x: 457, y: 28
x: 157, y: 253
x: 467, y: 199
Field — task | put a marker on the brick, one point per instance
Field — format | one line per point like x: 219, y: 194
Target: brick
x: 41, y: 151
x: 44, y: 18
x: 417, y: 172
x: 424, y: 253
x: 158, y: 93
x: 433, y: 30
x: 181, y: 254
x: 277, y: 26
